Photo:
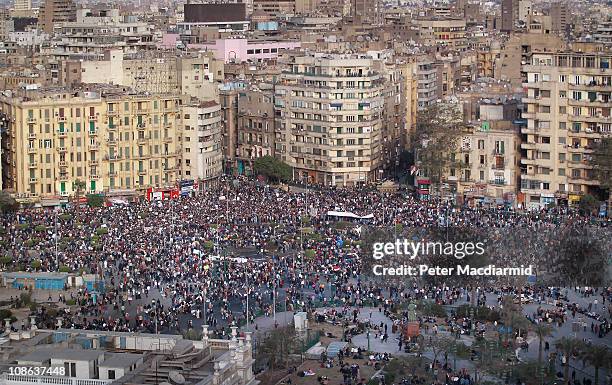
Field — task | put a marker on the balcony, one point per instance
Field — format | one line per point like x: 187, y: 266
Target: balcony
x: 498, y: 182
x: 33, y: 180
x: 168, y: 139
x: 142, y: 172
x: 112, y: 142
x: 31, y: 119
x: 61, y: 149
x: 62, y: 134
x: 61, y: 118
x: 93, y: 162
x: 33, y: 164
x: 31, y: 150
x: 32, y: 135
x: 94, y: 146
x: 63, y: 178
x: 94, y: 177
x: 92, y: 118
x: 62, y: 163
x: 112, y: 173
x: 112, y: 112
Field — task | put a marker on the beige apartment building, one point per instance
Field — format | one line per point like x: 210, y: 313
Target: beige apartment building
x: 256, y: 127
x: 330, y: 125
x: 109, y: 140
x: 409, y: 77
x: 196, y: 75
x: 567, y: 113
x: 201, y: 138
x: 54, y: 12
x: 446, y: 32
x: 489, y: 158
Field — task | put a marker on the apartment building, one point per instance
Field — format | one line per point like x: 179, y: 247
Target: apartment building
x: 443, y: 32
x: 256, y: 128
x: 275, y: 8
x: 91, y: 35
x: 228, y: 98
x: 489, y: 158
x: 22, y: 8
x: 427, y: 87
x: 197, y: 75
x: 329, y: 112
x: 201, y: 138
x: 54, y: 12
x: 409, y: 77
x: 109, y: 139
x: 7, y: 25
x: 567, y: 113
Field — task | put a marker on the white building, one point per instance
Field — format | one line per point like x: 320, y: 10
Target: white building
x: 201, y: 142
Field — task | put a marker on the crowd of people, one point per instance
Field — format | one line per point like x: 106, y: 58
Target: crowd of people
x: 168, y: 263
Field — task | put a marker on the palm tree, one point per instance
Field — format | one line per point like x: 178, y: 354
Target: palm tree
x: 542, y: 331
x: 598, y: 356
x: 569, y: 347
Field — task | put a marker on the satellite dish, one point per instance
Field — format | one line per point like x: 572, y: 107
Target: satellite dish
x: 176, y: 377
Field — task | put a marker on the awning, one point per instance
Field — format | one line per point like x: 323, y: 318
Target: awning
x: 346, y: 214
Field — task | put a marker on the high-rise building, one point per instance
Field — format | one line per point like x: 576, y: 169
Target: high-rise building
x: 513, y: 11
x: 427, y: 87
x: 330, y: 126
x: 202, y: 156
x: 256, y: 134
x: 567, y: 111
x: 445, y: 32
x: 114, y: 140
x: 55, y: 11
x: 22, y: 8
x: 275, y: 8
x: 560, y: 17
x: 509, y: 10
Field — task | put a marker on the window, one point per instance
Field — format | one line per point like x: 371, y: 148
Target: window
x: 561, y: 172
x: 499, y: 147
x: 111, y: 374
x: 481, y: 144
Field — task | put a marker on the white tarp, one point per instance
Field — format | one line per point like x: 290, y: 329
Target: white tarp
x: 346, y: 214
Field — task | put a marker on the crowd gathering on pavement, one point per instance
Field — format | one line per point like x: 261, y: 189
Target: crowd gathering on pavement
x: 167, y: 263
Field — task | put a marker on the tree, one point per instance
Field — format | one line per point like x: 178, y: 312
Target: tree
x: 95, y: 200
x: 272, y: 168
x: 277, y: 346
x: 569, y: 347
x: 580, y: 256
x: 436, y: 138
x: 78, y: 186
x: 602, y: 163
x: 8, y: 204
x: 589, y: 204
x: 598, y: 356
x: 439, y: 345
x: 542, y: 331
